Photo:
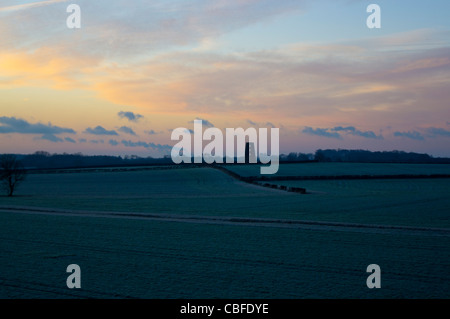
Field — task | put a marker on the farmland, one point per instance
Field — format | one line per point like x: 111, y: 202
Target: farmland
x: 199, y: 233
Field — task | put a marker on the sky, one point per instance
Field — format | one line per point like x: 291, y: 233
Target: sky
x: 136, y: 70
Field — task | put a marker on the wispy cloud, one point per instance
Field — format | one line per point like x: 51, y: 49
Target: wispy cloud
x: 97, y: 141
x: 204, y: 122
x: 335, y: 132
x: 353, y: 131
x: 427, y: 133
x: 113, y: 142
x: 414, y: 135
x: 325, y: 132
x: 70, y: 140
x: 15, y: 125
x: 30, y: 5
x: 99, y: 130
x: 159, y: 147
x: 151, y: 132
x: 50, y: 137
x: 266, y: 124
x: 436, y: 131
x: 127, y: 130
x: 133, y: 117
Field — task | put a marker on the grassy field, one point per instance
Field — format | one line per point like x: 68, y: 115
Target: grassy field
x: 125, y: 257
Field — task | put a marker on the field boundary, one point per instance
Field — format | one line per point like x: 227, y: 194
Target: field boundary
x: 257, y: 180
x: 339, y: 177
x: 261, y: 181
x: 254, y: 181
x: 106, y: 169
x: 238, y: 221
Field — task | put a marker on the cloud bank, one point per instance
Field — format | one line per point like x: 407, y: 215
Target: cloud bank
x: 335, y: 132
x: 413, y: 135
x: 20, y: 126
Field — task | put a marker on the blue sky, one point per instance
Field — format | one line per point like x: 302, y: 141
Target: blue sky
x: 333, y: 21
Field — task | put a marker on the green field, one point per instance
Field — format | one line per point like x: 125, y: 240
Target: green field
x: 124, y: 255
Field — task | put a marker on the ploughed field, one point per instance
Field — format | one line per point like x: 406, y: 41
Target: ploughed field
x: 200, y: 233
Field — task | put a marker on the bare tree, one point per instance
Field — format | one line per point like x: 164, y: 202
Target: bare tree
x: 11, y: 173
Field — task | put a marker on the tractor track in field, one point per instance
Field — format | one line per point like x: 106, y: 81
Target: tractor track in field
x: 239, y: 221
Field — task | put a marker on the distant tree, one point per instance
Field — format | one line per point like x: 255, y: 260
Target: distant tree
x: 292, y: 156
x: 42, y: 153
x: 11, y: 173
x: 303, y: 157
x: 319, y: 156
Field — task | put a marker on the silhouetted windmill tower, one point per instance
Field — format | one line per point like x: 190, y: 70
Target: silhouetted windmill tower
x: 250, y: 155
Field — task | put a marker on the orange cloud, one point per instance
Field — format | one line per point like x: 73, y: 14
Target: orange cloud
x: 44, y: 67
x: 263, y: 86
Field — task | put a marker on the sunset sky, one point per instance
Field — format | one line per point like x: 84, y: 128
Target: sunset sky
x: 138, y: 69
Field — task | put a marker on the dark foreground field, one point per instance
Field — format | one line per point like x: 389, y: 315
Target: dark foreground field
x: 199, y: 233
